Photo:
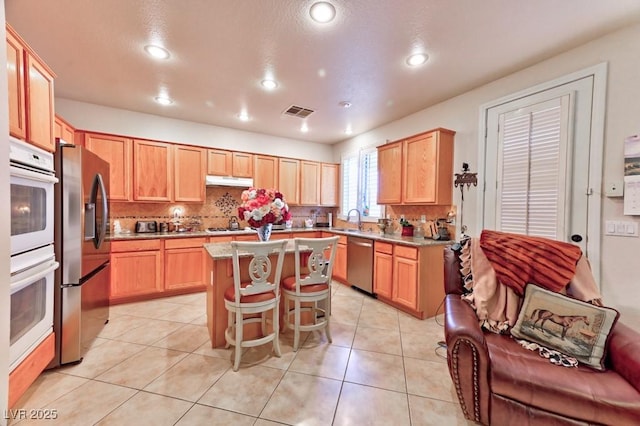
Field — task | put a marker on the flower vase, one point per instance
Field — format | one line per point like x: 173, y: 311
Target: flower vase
x: 264, y: 232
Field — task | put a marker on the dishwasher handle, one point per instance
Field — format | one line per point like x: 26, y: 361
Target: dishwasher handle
x: 361, y: 244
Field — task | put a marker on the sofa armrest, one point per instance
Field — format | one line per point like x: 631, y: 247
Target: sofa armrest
x: 467, y: 358
x: 624, y: 347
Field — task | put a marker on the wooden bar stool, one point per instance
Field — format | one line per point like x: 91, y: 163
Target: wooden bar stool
x: 258, y: 295
x: 311, y: 284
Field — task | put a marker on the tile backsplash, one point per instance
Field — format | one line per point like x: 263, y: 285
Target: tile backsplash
x: 221, y: 203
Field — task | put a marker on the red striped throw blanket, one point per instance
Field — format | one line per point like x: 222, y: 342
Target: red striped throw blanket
x: 521, y: 259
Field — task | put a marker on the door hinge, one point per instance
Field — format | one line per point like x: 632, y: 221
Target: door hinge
x: 589, y: 191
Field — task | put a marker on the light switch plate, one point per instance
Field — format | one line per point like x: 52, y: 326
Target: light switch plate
x: 621, y: 228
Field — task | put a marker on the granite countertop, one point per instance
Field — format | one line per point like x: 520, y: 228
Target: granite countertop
x: 395, y: 238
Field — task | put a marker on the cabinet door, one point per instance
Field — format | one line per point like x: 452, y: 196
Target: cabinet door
x: 340, y: 265
x: 136, y: 273
x: 309, y: 183
x: 405, y: 282
x: 185, y: 268
x: 242, y: 164
x: 68, y: 133
x: 40, y: 110
x: 219, y: 162
x: 420, y: 167
x: 265, y: 171
x: 15, y: 75
x: 383, y: 270
x: 153, y: 170
x: 116, y: 151
x: 289, y: 180
x: 390, y: 173
x: 190, y: 164
x: 329, y: 184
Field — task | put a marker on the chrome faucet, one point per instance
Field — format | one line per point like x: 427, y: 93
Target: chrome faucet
x: 359, y: 218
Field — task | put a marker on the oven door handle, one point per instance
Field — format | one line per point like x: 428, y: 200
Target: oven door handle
x: 28, y: 174
x: 25, y: 282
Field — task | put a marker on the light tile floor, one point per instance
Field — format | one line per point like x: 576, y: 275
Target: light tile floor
x: 153, y: 364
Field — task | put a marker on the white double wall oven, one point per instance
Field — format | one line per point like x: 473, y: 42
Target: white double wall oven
x: 33, y: 262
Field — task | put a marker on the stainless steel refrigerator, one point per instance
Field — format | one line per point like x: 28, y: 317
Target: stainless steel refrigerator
x: 81, y: 299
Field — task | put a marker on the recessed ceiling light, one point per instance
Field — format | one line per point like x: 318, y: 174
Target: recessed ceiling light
x: 417, y: 59
x: 163, y: 100
x: 157, y: 51
x: 304, y: 128
x: 269, y: 84
x: 348, y: 130
x: 322, y: 12
x: 345, y: 104
x: 243, y: 116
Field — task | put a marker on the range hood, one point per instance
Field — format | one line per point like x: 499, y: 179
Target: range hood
x: 228, y: 181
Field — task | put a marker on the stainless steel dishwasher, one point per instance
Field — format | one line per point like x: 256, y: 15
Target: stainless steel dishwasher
x: 360, y: 263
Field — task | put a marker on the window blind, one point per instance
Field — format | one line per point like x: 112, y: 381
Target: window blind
x: 360, y: 183
x: 531, y: 180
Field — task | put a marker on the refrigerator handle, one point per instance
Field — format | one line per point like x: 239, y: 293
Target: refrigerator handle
x: 105, y: 210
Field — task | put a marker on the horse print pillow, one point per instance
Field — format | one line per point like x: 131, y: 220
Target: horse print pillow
x: 575, y: 328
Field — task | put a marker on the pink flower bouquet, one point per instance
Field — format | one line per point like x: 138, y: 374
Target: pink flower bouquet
x: 262, y: 206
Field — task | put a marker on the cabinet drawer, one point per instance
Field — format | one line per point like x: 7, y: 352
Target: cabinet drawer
x: 406, y: 252
x: 383, y: 247
x: 140, y: 245
x: 342, y: 239
x: 184, y: 242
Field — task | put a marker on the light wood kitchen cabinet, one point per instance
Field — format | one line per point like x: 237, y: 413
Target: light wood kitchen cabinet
x: 117, y: 151
x: 229, y: 163
x: 390, y: 173
x: 329, y: 184
x: 340, y: 265
x: 383, y: 269
x: 30, y: 92
x: 136, y: 269
x: 265, y: 171
x: 417, y: 170
x: 405, y: 276
x: 289, y: 180
x: 152, y: 171
x: 63, y: 130
x: 309, y: 183
x: 428, y: 168
x: 185, y: 264
x: 189, y: 173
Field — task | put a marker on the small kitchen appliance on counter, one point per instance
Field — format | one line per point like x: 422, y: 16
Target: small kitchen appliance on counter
x: 146, y: 226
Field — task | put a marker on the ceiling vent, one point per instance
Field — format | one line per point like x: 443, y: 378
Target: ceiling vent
x: 298, y: 111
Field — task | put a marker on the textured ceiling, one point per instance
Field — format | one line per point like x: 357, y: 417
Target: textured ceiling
x: 222, y: 49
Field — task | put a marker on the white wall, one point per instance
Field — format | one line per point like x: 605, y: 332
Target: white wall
x: 5, y: 221
x: 99, y: 118
x: 620, y: 283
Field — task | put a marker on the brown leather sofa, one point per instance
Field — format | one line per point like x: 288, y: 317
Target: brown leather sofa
x: 500, y: 383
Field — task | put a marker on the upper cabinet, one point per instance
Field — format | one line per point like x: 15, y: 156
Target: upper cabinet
x: 63, y: 130
x: 289, y: 180
x: 265, y: 171
x: 228, y: 163
x: 390, y: 173
x: 309, y: 183
x: 417, y: 170
x: 329, y: 184
x: 189, y: 173
x: 117, y: 151
x: 152, y: 171
x: 30, y: 89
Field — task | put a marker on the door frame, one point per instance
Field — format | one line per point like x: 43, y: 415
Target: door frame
x: 596, y: 149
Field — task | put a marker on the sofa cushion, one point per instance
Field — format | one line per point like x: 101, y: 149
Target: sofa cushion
x: 580, y: 393
x: 568, y: 325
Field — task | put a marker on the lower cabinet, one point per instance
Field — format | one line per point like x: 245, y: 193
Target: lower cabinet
x: 185, y: 264
x: 136, y: 269
x: 144, y: 269
x: 409, y: 278
x: 340, y: 264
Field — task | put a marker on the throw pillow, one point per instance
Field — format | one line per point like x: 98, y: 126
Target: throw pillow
x: 575, y: 328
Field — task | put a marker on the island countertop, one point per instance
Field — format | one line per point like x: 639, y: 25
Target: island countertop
x: 220, y: 251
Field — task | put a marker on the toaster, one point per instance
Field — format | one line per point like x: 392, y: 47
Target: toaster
x: 146, y: 226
